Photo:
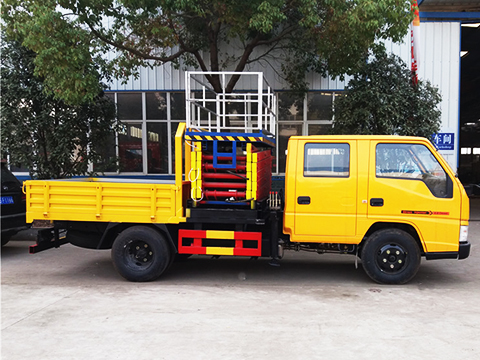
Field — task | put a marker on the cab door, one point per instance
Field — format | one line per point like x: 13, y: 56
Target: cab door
x: 407, y: 184
x: 326, y: 190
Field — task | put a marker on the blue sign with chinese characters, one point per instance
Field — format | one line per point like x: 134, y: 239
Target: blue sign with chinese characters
x: 444, y: 141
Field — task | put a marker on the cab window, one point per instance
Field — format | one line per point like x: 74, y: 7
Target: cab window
x: 413, y: 162
x: 327, y: 160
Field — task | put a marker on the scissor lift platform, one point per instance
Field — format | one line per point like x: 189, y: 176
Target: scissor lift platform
x: 231, y: 137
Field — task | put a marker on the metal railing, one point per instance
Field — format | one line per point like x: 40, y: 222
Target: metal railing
x: 240, y: 111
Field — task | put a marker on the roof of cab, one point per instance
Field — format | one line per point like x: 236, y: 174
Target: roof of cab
x: 390, y: 138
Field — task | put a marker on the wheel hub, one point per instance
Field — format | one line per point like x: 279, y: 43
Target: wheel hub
x: 391, y: 258
x: 140, y: 253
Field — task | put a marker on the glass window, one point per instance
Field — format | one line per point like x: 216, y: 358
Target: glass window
x: 108, y: 157
x: 284, y: 133
x: 289, y: 107
x: 129, y: 106
x: 110, y: 95
x: 319, y: 106
x: 319, y: 129
x: 209, y: 99
x: 156, y: 106
x: 157, y: 148
x: 207, y: 118
x: 327, y: 160
x: 18, y: 167
x: 177, y: 106
x: 247, y: 110
x: 412, y: 161
x: 237, y: 108
x: 130, y: 148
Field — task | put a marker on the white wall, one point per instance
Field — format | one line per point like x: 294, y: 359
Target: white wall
x: 440, y: 64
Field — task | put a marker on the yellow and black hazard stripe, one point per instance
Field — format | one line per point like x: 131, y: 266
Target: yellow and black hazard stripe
x: 229, y: 138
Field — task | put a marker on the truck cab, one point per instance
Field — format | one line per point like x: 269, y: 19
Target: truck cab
x: 390, y: 199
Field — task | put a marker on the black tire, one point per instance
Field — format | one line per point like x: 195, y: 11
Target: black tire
x: 391, y: 256
x: 140, y: 253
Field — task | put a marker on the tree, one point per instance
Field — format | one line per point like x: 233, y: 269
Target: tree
x: 70, y: 36
x: 51, y: 138
x: 381, y: 99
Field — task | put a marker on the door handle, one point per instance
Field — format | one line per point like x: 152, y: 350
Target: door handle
x: 376, y: 202
x: 303, y: 200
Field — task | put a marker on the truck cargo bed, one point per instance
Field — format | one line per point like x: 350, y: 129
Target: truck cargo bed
x: 106, y: 200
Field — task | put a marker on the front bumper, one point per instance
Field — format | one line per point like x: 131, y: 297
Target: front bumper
x: 463, y: 253
x: 464, y: 250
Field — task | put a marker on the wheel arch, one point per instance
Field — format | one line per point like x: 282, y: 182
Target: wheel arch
x: 114, y: 229
x: 408, y: 228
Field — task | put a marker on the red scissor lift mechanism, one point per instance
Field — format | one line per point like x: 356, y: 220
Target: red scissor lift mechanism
x: 224, y: 185
x: 230, y: 177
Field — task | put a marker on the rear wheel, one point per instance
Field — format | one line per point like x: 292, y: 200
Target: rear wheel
x: 140, y: 253
x: 391, y: 256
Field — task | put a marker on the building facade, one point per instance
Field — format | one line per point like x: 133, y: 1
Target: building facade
x: 152, y: 105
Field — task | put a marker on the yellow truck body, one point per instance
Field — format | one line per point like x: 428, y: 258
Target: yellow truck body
x: 106, y: 200
x: 386, y: 199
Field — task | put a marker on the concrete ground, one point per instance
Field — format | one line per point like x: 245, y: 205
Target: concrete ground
x: 69, y: 303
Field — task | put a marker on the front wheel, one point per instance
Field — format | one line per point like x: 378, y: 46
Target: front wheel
x: 391, y: 256
x: 140, y: 253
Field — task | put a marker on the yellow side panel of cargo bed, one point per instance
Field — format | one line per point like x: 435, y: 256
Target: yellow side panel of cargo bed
x: 105, y: 200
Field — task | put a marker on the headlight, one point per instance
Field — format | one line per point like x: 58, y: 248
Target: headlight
x: 463, y: 234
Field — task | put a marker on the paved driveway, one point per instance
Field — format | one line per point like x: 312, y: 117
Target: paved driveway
x: 69, y: 303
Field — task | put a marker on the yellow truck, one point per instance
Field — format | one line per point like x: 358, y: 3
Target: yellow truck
x: 388, y: 200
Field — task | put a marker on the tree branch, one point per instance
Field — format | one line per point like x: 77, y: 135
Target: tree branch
x: 244, y: 60
x: 277, y: 38
x: 266, y: 53
x: 214, y: 63
x: 242, y: 63
x: 215, y: 82
x: 133, y: 50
